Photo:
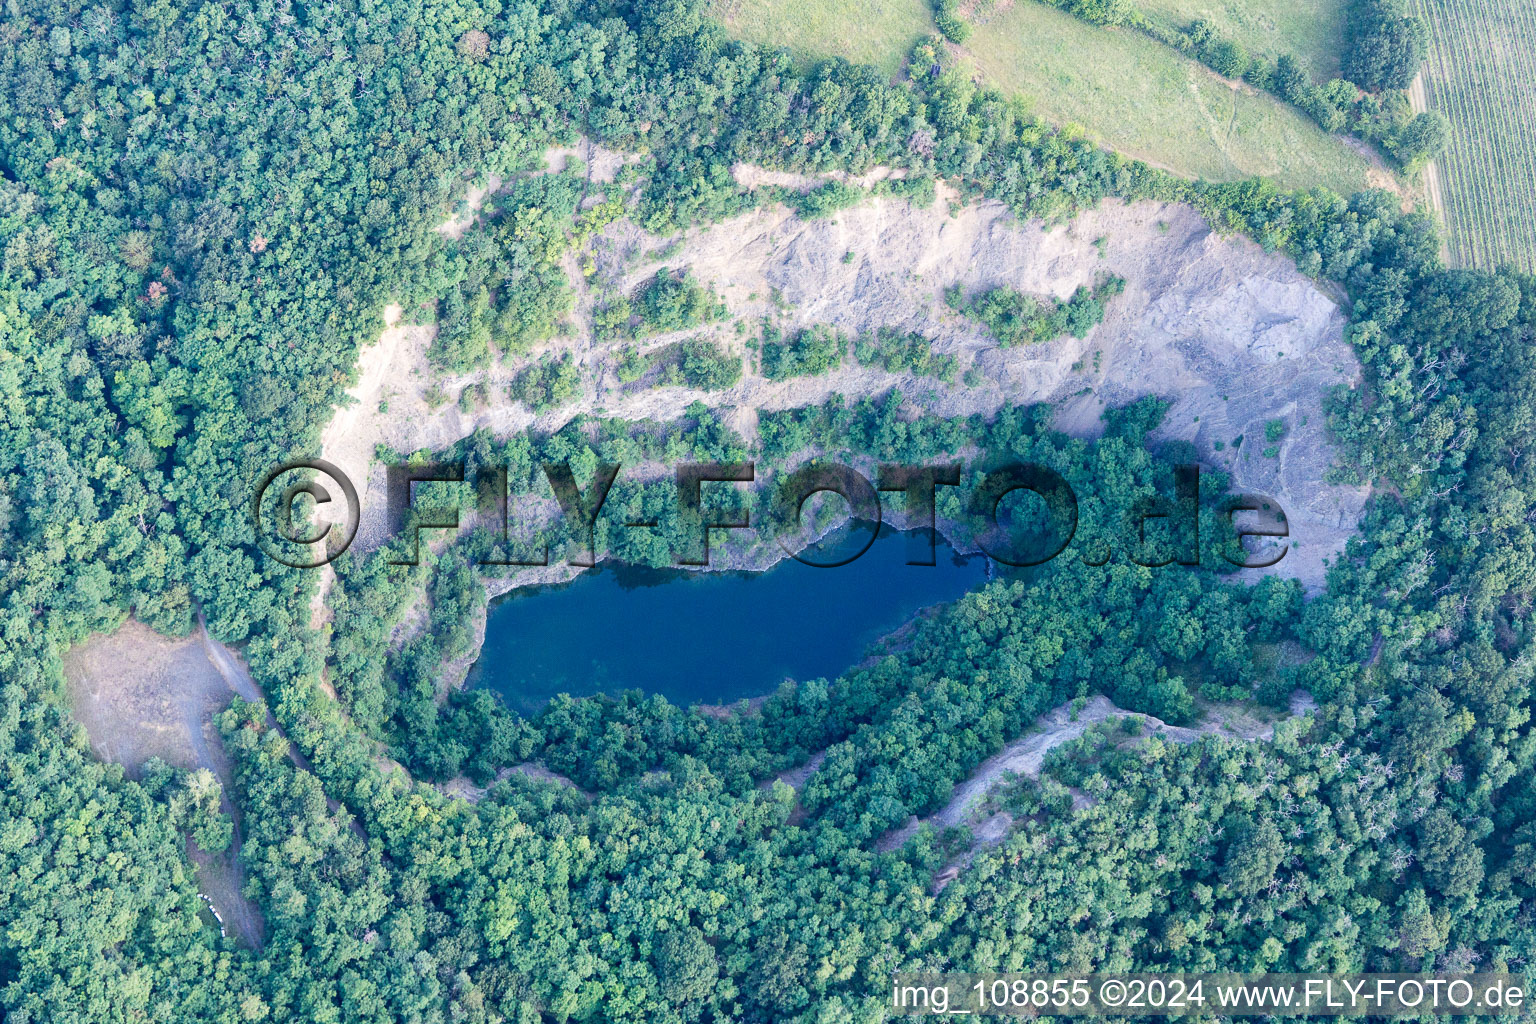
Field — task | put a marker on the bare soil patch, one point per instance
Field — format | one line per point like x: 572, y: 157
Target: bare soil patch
x: 464, y: 789
x: 141, y: 695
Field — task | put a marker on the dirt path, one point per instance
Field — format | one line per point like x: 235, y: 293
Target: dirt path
x: 238, y: 677
x: 463, y: 789
x: 1418, y: 99
x: 1025, y: 755
x: 795, y: 778
x: 229, y: 667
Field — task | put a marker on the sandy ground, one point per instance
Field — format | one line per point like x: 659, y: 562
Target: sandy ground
x: 141, y: 695
x: 1231, y: 335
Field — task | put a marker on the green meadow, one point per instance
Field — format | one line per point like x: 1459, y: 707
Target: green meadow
x: 1123, y: 89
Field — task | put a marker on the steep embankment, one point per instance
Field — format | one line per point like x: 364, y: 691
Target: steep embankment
x: 1232, y: 336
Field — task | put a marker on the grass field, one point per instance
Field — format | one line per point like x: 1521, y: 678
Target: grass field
x: 1124, y: 90
x: 1482, y: 75
x: 1136, y: 95
x: 1312, y: 30
x: 878, y: 32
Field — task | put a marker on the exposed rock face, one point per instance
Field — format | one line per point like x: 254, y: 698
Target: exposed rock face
x: 1233, y: 337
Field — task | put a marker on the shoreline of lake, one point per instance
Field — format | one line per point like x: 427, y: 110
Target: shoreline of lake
x: 606, y: 608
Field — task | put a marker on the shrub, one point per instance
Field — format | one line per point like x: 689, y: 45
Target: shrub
x: 954, y: 27
x: 1097, y: 12
x: 1228, y: 58
x: 551, y: 382
x: 826, y: 200
x: 1290, y: 82
x: 611, y: 319
x: 1261, y: 74
x: 631, y: 365
x: 675, y: 301
x: 1014, y: 318
x: 700, y: 364
x: 897, y: 353
x: 812, y: 350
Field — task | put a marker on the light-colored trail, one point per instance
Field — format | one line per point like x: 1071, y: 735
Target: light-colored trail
x: 1025, y: 755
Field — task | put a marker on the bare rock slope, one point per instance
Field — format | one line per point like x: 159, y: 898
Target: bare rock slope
x: 1232, y: 336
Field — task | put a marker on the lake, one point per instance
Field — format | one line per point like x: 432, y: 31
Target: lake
x: 711, y: 637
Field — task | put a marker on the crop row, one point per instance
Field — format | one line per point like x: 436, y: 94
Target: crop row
x: 1482, y: 75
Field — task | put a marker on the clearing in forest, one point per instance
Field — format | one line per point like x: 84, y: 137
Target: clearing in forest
x: 1310, y: 30
x: 1482, y: 75
x: 141, y: 695
x: 878, y: 32
x: 1125, y: 90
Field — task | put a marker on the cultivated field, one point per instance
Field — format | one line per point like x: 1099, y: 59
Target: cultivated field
x: 1312, y: 30
x: 1482, y: 75
x: 1125, y: 90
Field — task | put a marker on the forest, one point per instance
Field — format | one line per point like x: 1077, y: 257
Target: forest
x: 202, y: 210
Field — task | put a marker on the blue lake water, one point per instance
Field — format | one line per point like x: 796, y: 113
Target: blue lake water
x: 712, y: 637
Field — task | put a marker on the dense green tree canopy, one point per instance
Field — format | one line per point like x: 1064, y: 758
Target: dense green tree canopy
x: 1386, y: 46
x: 204, y: 208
